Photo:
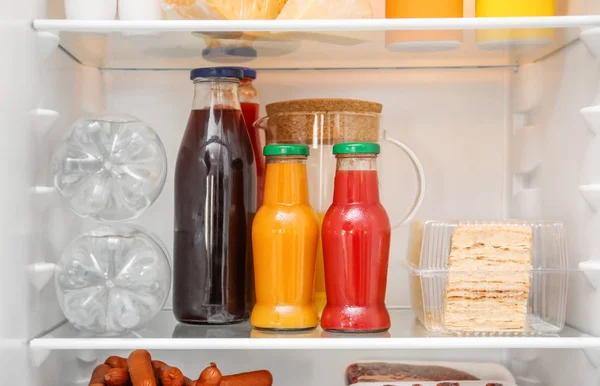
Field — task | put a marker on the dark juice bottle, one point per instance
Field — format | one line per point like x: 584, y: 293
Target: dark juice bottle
x: 215, y: 199
x: 356, y: 245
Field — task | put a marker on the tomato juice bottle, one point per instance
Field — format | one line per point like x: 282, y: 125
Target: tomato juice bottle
x: 356, y: 244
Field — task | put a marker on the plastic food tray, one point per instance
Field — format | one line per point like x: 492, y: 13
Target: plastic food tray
x: 489, y: 373
x: 427, y: 263
x: 440, y: 383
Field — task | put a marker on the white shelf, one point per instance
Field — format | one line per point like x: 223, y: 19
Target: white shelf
x: 165, y: 333
x: 309, y: 44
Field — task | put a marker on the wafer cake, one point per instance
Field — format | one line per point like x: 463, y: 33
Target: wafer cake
x: 488, y: 281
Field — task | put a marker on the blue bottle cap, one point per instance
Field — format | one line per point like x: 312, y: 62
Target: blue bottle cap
x: 248, y: 72
x: 217, y: 72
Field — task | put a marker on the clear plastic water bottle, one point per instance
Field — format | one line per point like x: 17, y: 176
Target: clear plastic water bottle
x: 110, y: 168
x: 113, y: 280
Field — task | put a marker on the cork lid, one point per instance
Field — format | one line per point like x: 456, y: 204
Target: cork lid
x: 330, y: 120
x: 324, y: 105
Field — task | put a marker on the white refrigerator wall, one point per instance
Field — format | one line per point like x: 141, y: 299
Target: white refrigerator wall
x: 553, y: 155
x: 459, y: 122
x: 19, y: 95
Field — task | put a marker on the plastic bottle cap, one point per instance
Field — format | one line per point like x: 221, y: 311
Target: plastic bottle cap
x: 357, y: 148
x: 285, y: 149
x: 248, y: 72
x: 217, y: 72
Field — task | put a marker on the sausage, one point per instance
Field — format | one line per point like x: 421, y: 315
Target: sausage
x: 167, y: 375
x: 254, y: 378
x: 188, y: 382
x: 117, y: 377
x: 210, y: 376
x: 98, y: 374
x: 116, y: 362
x: 140, y: 368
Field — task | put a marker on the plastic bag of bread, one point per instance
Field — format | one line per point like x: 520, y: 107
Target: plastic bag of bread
x: 326, y: 9
x: 223, y: 9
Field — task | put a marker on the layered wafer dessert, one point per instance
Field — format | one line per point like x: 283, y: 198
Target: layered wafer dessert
x: 488, y: 280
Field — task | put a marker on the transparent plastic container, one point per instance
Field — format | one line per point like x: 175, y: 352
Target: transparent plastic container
x: 113, y: 280
x: 470, y: 284
x: 436, y: 383
x: 391, y: 373
x: 110, y: 167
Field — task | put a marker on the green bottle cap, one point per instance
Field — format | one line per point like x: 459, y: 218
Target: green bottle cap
x: 286, y: 149
x: 356, y: 148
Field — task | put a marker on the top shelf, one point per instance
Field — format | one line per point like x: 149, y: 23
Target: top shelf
x: 316, y: 44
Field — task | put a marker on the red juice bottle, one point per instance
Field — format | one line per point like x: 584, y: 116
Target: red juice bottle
x: 250, y: 110
x: 356, y: 244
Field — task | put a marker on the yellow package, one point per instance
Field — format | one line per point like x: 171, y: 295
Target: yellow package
x: 326, y: 9
x: 223, y: 9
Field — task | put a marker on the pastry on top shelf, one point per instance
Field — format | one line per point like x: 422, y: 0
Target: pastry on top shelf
x: 224, y: 9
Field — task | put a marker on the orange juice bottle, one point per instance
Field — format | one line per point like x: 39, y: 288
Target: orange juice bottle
x: 284, y: 241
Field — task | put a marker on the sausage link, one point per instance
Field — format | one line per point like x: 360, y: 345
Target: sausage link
x: 97, y: 378
x: 188, y: 382
x: 116, y: 362
x: 168, y: 376
x: 140, y: 368
x: 117, y: 377
x: 210, y: 376
x: 254, y: 378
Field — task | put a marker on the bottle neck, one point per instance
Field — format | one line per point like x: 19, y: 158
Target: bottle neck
x: 247, y: 92
x: 286, y: 181
x: 216, y: 93
x: 356, y: 179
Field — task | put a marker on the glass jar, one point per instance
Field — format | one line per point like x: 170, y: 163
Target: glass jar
x: 356, y: 244
x: 320, y: 124
x: 285, y: 236
x: 215, y: 199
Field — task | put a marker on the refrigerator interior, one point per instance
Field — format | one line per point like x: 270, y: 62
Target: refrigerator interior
x: 497, y: 139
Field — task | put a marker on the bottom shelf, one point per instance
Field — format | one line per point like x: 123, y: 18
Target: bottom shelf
x: 165, y: 333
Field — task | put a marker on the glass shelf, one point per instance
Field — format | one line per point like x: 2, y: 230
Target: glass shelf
x: 316, y: 44
x: 165, y: 333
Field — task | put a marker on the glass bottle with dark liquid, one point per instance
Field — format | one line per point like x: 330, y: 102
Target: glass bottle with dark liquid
x: 215, y: 200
